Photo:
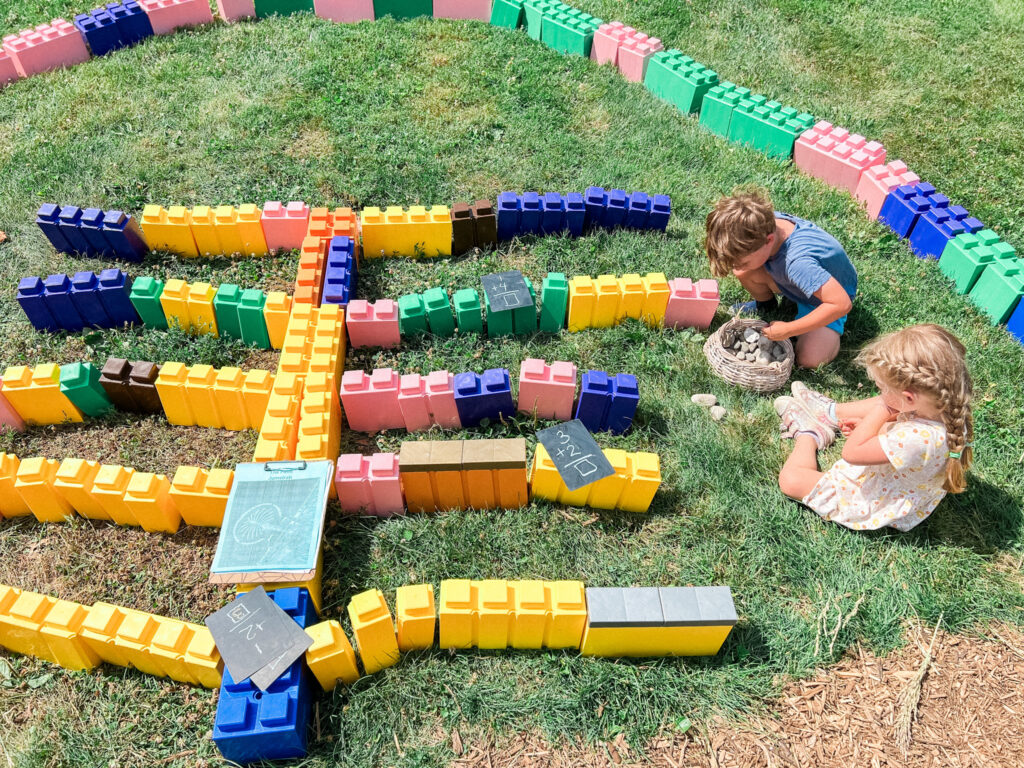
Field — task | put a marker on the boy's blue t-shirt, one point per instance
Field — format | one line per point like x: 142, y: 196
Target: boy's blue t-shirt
x: 806, y: 260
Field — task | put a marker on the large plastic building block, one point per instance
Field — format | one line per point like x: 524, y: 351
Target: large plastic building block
x: 415, y: 466
x: 507, y: 14
x: 547, y: 614
x: 644, y: 481
x: 607, y: 39
x: 339, y: 271
x: 169, y: 15
x: 657, y: 621
x: 70, y: 218
x: 57, y: 295
x: 225, y: 309
x: 679, y: 80
x: 284, y: 226
x: 276, y: 312
x: 836, y: 156
x: 509, y: 215
x: 718, y: 105
x: 142, y: 386
x: 606, y: 302
x: 642, y: 472
x: 554, y: 299
x: 8, y: 70
x: 495, y: 605
x: 768, y: 126
x: 412, y: 314
x: 170, y: 386
x: 256, y: 391
x: 167, y: 648
x: 201, y: 658
x: 499, y: 323
x: 625, y: 398
x: 145, y: 297
x: 9, y: 417
x: 370, y: 401
x: 567, y: 30
x: 397, y: 232
x: 634, y: 55
x: 124, y: 235
x: 35, y: 394
x: 250, y: 230
x: 253, y: 725
x: 85, y: 297
x: 99, y: 631
x: 581, y: 302
x: 11, y: 503
x: 201, y: 495
x: 91, y: 226
x: 201, y: 313
x: 115, y: 288
x: 484, y: 396
x: 905, y: 204
x: 369, y: 484
x: 48, y: 215
x: 109, y: 487
x: 547, y: 391
x: 373, y: 324
x: 147, y: 498
x: 265, y: 8
x: 250, y: 317
x: 438, y: 310
x: 330, y: 658
x: 34, y: 483
x: 100, y: 31
x: 204, y: 231
x: 199, y: 384
x: 21, y: 624
x: 115, y: 380
x: 415, y: 616
x: 998, y: 289
x: 477, y: 10
x: 169, y: 230
x: 485, y: 224
x: 937, y: 226
x: 229, y: 234
x: 691, y: 304
x: 32, y: 298
x: 412, y: 400
x: 174, y: 303
x: 48, y: 46
x: 374, y: 630
x: 595, y: 399
x: 468, y: 311
x: 227, y: 394
x: 878, y: 181
x: 463, y: 237
x: 456, y: 609
x: 968, y: 254
x: 61, y: 630
x: 524, y: 319
x: 132, y: 22
x: 440, y: 391
x: 80, y: 383
x: 344, y: 11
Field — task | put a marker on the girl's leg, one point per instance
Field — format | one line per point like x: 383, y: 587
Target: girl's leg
x: 856, y: 409
x: 800, y: 473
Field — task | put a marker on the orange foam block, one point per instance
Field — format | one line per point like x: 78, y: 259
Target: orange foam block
x: 879, y: 180
x: 835, y: 155
x: 48, y: 46
x: 167, y: 15
x: 691, y: 304
x: 284, y: 226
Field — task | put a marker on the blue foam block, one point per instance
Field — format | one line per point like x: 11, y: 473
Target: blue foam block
x: 85, y: 295
x: 937, y: 226
x: 487, y: 396
x: 661, y: 210
x: 1015, y: 325
x: 637, y: 210
x: 32, y: 298
x: 595, y: 399
x: 91, y: 226
x: 530, y: 214
x: 575, y: 213
x: 48, y: 220
x: 595, y: 202
x: 115, y: 289
x: 70, y: 226
x: 100, y: 31
x: 904, y: 205
x: 125, y: 236
x: 336, y: 286
x: 615, y: 212
x: 509, y: 208
x: 552, y: 218
x: 625, y: 398
x: 58, y: 301
x: 132, y: 22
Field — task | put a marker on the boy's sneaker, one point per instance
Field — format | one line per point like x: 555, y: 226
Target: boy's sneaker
x: 817, y: 403
x: 797, y: 419
x: 759, y: 309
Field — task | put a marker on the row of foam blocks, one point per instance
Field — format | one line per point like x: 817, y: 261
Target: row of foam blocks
x: 351, y: 11
x: 252, y: 725
x: 531, y: 213
x: 382, y: 399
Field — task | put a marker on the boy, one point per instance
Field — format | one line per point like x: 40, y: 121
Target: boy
x: 775, y: 253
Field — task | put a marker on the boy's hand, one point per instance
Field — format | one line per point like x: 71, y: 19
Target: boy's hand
x: 776, y: 331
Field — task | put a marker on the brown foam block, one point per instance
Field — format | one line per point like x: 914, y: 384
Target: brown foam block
x: 485, y: 223
x: 142, y: 386
x: 463, y: 238
x: 446, y: 473
x: 414, y: 472
x: 114, y: 380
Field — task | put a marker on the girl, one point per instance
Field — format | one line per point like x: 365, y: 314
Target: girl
x: 905, y: 448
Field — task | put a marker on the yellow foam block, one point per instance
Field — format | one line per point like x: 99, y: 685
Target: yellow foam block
x: 170, y: 386
x: 255, y: 393
x: 494, y: 613
x: 431, y: 230
x: 250, y: 230
x: 11, y: 503
x: 456, y: 613
x: 34, y: 482
x: 607, y: 492
x: 545, y: 482
x: 606, y: 302
x: 654, y: 641
x: 644, y: 481
x: 109, y: 488
x: 200, y: 308
x: 568, y: 614
x: 374, y: 630
x: 169, y: 229
x: 204, y: 231
x: 202, y: 660
x: 532, y: 612
x: 269, y: 449
x: 74, y: 481
x: 631, y: 298
x: 330, y: 657
x: 656, y: 293
x: 21, y: 625
x: 635, y: 482
x: 228, y: 396
x: 149, y: 502
x: 275, y: 313
x: 35, y: 394
x: 548, y: 614
x: 201, y: 495
x: 99, y: 629
x: 416, y: 616
x: 199, y: 390
x: 133, y: 638
x: 62, y: 631
x: 225, y: 220
x: 174, y: 303
x: 582, y: 301
x: 168, y: 646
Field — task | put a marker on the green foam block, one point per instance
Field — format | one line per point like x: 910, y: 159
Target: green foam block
x: 80, y: 382
x: 412, y: 314
x: 554, y: 301
x: 145, y: 297
x: 252, y: 323
x: 468, y: 311
x: 439, y: 312
x: 225, y: 309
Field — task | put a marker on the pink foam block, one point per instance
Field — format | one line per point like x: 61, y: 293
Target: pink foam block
x: 233, y: 10
x: 167, y: 15
x: 48, y: 46
x: 835, y: 155
x: 412, y: 401
x: 371, y: 400
x: 373, y: 324
x: 284, y: 226
x: 607, y: 39
x: 8, y: 72
x: 878, y: 181
x: 634, y: 53
x: 369, y: 484
x: 480, y: 10
x: 691, y: 304
x: 547, y: 390
x: 8, y: 416
x: 344, y: 11
x: 440, y: 386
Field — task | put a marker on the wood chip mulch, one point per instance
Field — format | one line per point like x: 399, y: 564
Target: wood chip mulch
x: 970, y: 715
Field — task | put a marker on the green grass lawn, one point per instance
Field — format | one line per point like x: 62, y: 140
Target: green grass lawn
x: 433, y: 111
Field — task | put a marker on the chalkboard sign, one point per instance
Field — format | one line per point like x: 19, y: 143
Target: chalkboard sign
x: 577, y: 457
x: 506, y: 291
x: 253, y: 633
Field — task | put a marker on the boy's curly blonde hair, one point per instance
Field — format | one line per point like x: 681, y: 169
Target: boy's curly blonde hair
x: 737, y: 226
x: 929, y: 360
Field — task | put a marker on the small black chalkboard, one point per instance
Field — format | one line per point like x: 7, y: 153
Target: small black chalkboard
x: 253, y: 632
x: 506, y: 291
x: 577, y: 457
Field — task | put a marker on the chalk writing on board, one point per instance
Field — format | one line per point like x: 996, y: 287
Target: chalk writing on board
x: 577, y: 457
x: 250, y: 632
x: 506, y: 291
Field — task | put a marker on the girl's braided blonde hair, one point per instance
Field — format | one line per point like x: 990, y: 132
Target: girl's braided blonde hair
x: 929, y: 360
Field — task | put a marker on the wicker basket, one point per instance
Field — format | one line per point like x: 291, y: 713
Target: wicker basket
x: 755, y: 376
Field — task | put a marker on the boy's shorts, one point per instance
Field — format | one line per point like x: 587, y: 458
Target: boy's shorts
x: 802, y: 310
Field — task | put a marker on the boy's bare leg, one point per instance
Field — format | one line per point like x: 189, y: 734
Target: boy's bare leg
x: 758, y: 283
x: 800, y: 473
x: 817, y: 347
